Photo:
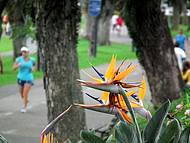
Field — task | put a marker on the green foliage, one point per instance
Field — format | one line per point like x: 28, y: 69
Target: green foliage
x: 6, y: 44
x: 171, y: 132
x: 180, y: 114
x: 156, y: 131
x: 27, y: 30
x: 175, y: 32
x: 152, y: 130
x: 89, y: 137
x: 9, y: 76
x: 2, y: 139
x: 124, y: 133
x: 185, y: 136
x: 104, y: 54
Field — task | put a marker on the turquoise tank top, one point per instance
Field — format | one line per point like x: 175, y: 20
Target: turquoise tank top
x: 25, y: 68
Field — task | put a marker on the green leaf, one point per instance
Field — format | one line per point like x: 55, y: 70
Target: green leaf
x: 2, y: 139
x: 185, y: 136
x: 138, y: 134
x: 111, y: 139
x: 125, y: 133
x: 172, y: 131
x: 89, y: 137
x: 152, y: 130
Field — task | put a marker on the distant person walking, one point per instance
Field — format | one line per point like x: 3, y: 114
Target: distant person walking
x: 119, y: 24
x: 6, y: 27
x: 180, y: 54
x: 26, y: 66
x: 181, y: 39
x: 114, y: 22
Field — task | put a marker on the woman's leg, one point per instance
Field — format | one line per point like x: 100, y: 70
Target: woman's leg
x: 21, y: 91
x: 26, y: 90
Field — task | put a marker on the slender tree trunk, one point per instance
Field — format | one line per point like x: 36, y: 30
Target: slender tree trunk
x: 3, y: 4
x: 89, y: 25
x: 104, y: 22
x: 1, y: 60
x: 149, y: 30
x: 18, y: 23
x: 58, y: 23
x: 176, y: 13
x: 184, y: 10
x: 85, y: 15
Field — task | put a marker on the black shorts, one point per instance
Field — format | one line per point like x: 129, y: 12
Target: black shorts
x: 23, y: 82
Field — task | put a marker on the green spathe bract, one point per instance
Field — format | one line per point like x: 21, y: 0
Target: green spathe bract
x: 154, y: 126
x: 2, y: 139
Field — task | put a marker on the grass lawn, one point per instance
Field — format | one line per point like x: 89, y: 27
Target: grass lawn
x: 104, y: 55
x: 6, y: 44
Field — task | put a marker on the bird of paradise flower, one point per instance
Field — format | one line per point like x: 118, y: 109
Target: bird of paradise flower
x: 116, y: 96
x: 111, y: 83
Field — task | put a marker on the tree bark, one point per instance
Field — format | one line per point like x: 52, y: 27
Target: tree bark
x: 107, y: 10
x: 58, y: 24
x: 177, y: 6
x: 3, y: 4
x: 184, y: 10
x: 149, y: 30
x: 104, y: 22
x: 18, y: 22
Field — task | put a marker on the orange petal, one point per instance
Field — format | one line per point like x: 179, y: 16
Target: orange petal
x: 142, y: 90
x: 110, y: 71
x: 117, y: 70
x: 122, y: 102
x: 131, y: 92
x: 90, y: 106
x: 96, y: 79
x: 125, y: 116
x: 135, y: 104
x: 48, y: 138
x: 105, y: 96
x: 125, y: 73
x: 44, y: 140
x: 52, y: 138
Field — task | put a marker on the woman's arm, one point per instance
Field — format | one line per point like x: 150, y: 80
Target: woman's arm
x: 34, y: 66
x: 16, y: 66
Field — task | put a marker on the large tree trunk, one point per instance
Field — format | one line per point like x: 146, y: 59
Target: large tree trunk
x: 104, y: 22
x: 149, y: 30
x: 58, y: 23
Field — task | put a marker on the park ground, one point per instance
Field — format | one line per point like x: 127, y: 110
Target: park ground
x: 25, y: 128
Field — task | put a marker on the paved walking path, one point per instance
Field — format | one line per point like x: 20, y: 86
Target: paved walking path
x: 25, y: 128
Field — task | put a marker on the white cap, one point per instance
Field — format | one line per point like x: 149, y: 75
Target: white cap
x: 24, y: 49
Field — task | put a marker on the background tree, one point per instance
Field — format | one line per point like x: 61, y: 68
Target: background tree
x: 3, y: 4
x: 179, y: 12
x: 104, y: 24
x: 149, y: 30
x: 177, y: 9
x: 22, y: 17
x: 57, y: 32
x: 103, y: 21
